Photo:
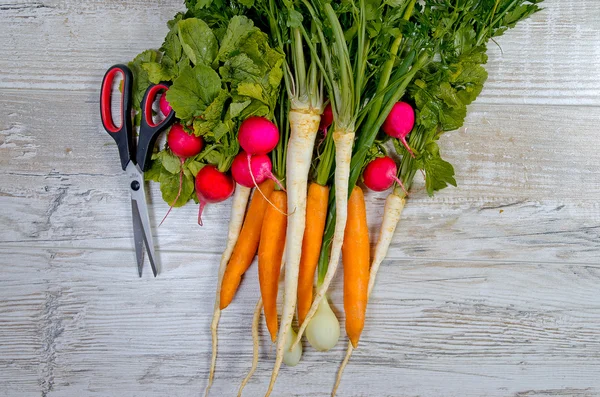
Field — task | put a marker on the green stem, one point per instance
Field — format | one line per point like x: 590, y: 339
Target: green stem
x: 343, y: 107
x: 487, y: 32
x: 316, y: 59
x: 397, y: 79
x: 407, y: 172
x: 326, y: 161
x: 274, y: 27
x: 209, y: 149
x: 279, y: 154
x: 362, y: 55
x: 327, y: 239
x: 357, y: 162
x: 314, y: 91
x: 370, y: 128
x: 299, y: 64
x: 389, y: 65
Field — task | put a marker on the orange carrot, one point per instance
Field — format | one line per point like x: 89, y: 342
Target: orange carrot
x: 355, y: 256
x: 246, y: 245
x: 316, y: 215
x: 270, y: 255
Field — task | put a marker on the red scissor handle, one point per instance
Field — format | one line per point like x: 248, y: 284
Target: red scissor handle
x: 122, y: 134
x: 149, y: 130
x: 150, y: 97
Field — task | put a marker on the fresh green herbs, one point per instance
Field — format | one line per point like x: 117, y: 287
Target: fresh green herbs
x: 453, y: 78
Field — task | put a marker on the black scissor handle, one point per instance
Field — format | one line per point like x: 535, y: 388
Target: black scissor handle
x: 122, y: 134
x: 149, y: 130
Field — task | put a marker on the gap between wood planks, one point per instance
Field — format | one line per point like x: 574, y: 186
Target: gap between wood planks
x: 483, y: 100
x: 426, y: 260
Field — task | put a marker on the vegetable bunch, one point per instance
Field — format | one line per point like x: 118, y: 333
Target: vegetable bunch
x: 369, y: 88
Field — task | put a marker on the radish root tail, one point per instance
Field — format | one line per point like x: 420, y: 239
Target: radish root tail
x: 255, y: 324
x: 261, y: 192
x: 338, y: 378
x: 213, y: 359
x: 403, y: 140
x: 399, y: 182
x: 177, y: 197
x: 200, y: 210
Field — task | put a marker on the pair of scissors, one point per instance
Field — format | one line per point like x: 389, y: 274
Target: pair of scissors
x: 135, y: 156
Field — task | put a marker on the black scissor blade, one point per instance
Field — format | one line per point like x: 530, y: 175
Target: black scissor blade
x: 138, y: 236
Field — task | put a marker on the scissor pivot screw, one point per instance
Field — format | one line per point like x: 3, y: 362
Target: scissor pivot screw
x: 135, y: 186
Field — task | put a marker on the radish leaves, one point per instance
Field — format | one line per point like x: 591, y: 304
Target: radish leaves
x: 193, y: 91
x: 198, y: 41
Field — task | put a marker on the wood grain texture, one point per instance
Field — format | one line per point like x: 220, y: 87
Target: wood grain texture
x: 490, y: 289
x: 82, y: 322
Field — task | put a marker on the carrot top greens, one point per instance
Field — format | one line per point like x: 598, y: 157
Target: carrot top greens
x: 430, y: 55
x: 453, y: 78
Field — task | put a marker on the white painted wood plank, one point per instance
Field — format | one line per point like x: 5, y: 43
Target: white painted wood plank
x: 554, y: 58
x: 27, y: 322
x: 68, y: 45
x: 433, y: 328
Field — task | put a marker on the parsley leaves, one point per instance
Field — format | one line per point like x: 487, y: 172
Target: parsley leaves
x: 441, y: 91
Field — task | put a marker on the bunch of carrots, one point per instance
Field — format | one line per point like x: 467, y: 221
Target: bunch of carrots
x: 368, y: 89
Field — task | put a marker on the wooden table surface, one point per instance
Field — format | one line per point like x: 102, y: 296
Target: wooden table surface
x: 490, y: 289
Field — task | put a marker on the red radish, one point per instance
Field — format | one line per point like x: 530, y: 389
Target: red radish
x: 326, y: 118
x: 257, y: 135
x: 212, y: 186
x: 326, y: 121
x: 380, y: 174
x: 165, y: 107
x: 261, y: 170
x: 400, y: 122
x: 183, y: 145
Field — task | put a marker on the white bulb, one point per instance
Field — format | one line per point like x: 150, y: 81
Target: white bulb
x: 291, y: 358
x: 323, y: 330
